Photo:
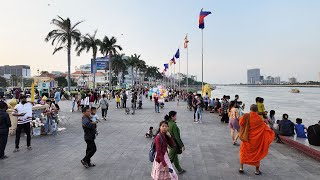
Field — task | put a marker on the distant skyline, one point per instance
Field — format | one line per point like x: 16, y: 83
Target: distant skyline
x: 280, y: 37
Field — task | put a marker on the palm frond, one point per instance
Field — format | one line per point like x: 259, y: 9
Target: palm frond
x: 57, y: 49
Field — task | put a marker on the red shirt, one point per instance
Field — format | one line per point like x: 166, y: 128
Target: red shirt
x: 156, y: 100
x: 161, y: 147
x: 91, y: 99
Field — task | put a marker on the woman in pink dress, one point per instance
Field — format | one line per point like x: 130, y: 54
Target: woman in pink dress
x: 162, y: 168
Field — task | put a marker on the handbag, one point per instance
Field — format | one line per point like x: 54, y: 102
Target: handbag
x: 178, y: 147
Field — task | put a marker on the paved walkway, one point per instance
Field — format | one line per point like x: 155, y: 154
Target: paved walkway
x: 123, y: 151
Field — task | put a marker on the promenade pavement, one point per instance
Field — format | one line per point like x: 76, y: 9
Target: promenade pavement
x: 122, y: 150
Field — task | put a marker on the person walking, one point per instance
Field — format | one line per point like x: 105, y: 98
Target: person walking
x: 89, y: 128
x: 104, y: 106
x: 5, y: 124
x: 234, y: 122
x: 162, y: 168
x: 125, y: 97
x: 57, y: 96
x: 156, y: 104
x: 200, y: 105
x: 256, y: 137
x: 134, y: 102
x: 174, y: 130
x: 23, y: 111
x: 195, y: 107
x: 206, y: 100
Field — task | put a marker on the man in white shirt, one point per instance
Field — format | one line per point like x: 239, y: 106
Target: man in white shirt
x: 23, y: 111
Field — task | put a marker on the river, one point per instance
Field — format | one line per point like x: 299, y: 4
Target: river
x: 304, y: 105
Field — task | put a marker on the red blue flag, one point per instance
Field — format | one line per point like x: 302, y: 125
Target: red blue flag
x: 166, y: 66
x: 203, y: 14
x: 173, y: 61
x: 177, y: 55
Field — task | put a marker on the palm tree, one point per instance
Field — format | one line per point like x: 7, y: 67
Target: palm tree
x: 132, y: 62
x: 88, y: 42
x: 141, y: 66
x: 118, y: 65
x: 109, y: 47
x: 65, y: 35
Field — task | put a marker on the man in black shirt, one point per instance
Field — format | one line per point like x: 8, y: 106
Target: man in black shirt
x: 5, y: 123
x: 89, y: 128
x: 314, y: 134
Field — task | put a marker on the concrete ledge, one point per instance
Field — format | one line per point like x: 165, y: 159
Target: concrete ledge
x: 302, y: 145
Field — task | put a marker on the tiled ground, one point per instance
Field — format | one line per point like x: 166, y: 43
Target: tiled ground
x: 123, y: 151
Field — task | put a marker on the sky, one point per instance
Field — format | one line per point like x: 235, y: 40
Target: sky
x: 282, y: 38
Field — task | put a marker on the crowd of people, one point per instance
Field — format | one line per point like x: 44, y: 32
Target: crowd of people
x: 256, y: 130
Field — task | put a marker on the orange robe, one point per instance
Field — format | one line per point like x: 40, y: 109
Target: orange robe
x: 260, y: 137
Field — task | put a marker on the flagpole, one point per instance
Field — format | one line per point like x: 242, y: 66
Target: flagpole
x: 179, y: 75
x: 187, y: 70
x: 174, y: 74
x: 202, y: 64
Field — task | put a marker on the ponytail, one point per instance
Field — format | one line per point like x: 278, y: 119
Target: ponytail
x: 166, y: 117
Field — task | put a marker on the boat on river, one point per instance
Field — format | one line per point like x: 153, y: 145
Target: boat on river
x: 296, y: 90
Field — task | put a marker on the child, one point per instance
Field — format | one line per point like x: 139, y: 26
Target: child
x: 299, y: 127
x: 150, y: 134
x: 94, y: 117
x: 118, y: 101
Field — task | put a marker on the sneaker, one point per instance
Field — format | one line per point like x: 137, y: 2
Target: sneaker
x: 182, y: 171
x: 29, y: 148
x: 91, y: 165
x: 85, y: 164
x: 16, y: 150
x: 4, y: 157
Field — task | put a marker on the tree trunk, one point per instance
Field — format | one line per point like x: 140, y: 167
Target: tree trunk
x: 69, y: 62
x: 110, y: 66
x: 94, y: 73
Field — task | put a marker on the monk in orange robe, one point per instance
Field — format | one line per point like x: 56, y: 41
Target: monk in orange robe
x: 256, y: 137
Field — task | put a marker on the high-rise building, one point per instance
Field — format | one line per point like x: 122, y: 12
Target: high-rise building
x: 18, y: 70
x: 277, y: 80
x: 319, y: 77
x: 292, y: 80
x: 253, y: 76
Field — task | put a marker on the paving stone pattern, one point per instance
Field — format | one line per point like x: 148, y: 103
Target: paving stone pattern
x: 122, y: 150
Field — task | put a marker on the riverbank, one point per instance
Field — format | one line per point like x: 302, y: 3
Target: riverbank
x: 122, y: 150
x: 271, y: 85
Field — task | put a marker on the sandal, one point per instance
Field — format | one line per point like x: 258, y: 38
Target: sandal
x: 91, y: 165
x: 241, y: 171
x: 258, y: 173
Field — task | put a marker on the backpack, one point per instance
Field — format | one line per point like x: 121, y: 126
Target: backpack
x: 286, y: 128
x: 152, y: 151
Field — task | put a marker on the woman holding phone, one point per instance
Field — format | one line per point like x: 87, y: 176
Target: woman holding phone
x: 162, y: 168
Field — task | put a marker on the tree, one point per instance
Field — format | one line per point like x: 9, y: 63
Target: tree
x: 119, y: 65
x: 109, y: 47
x: 62, y: 82
x: 132, y: 62
x: 14, y: 80
x: 44, y: 72
x: 88, y: 42
x: 3, y: 82
x: 65, y: 35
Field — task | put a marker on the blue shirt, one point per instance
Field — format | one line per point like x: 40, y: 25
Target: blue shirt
x: 57, y: 96
x: 300, y: 131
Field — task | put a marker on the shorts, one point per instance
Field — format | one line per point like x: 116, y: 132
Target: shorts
x: 234, y: 124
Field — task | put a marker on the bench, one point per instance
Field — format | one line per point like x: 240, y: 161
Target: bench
x: 302, y: 145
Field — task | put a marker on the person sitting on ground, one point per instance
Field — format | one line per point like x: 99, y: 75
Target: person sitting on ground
x: 211, y: 105
x: 271, y: 118
x: 150, y: 133
x: 314, y: 134
x: 300, y: 129
x: 286, y: 127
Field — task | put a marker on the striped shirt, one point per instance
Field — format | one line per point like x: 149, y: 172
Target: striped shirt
x: 24, y: 108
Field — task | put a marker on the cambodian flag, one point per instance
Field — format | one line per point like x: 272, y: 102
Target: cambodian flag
x: 203, y: 14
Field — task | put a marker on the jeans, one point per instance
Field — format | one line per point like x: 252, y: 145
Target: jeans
x: 3, y: 143
x: 48, y: 125
x: 26, y: 128
x: 91, y: 149
x: 104, y: 112
x: 73, y: 104
x: 124, y: 104
x: 156, y: 108
x: 199, y: 114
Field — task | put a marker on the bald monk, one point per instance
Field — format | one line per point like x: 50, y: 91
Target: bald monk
x: 256, y: 137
